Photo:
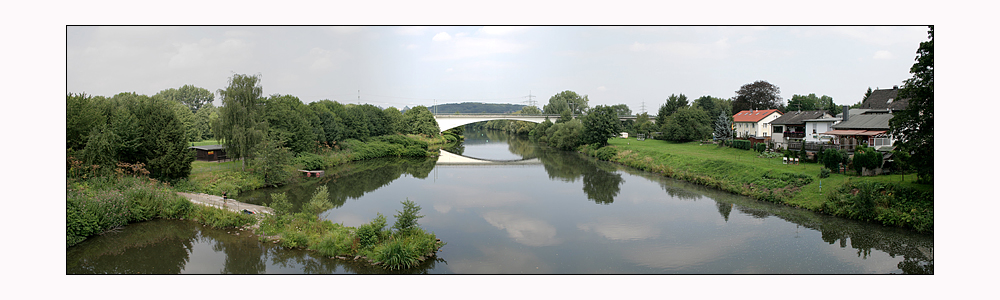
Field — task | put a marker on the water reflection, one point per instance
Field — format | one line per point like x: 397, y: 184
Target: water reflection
x: 185, y: 247
x: 533, y: 219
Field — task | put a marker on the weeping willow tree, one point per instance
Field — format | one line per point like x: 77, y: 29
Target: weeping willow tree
x: 241, y: 124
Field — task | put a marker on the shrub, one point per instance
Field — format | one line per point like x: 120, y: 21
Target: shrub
x: 294, y: 239
x: 760, y: 147
x: 280, y: 205
x: 866, y: 158
x: 831, y: 158
x: 606, y: 153
x: 319, y: 203
x: 309, y: 161
x: 824, y: 173
x: 370, y: 234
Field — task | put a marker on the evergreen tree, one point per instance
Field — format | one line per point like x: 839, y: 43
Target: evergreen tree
x: 723, y: 127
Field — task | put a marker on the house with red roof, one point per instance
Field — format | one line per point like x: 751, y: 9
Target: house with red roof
x: 754, y: 124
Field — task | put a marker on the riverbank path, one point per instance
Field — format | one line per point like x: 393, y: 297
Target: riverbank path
x: 231, y: 204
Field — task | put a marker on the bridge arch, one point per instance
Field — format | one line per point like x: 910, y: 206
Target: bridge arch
x: 446, y: 122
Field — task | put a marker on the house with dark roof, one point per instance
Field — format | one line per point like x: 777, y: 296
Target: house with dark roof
x: 884, y: 99
x: 210, y: 152
x: 791, y: 127
x: 754, y: 124
x: 867, y: 128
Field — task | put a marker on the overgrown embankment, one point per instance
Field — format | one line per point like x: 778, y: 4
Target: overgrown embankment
x: 99, y: 204
x: 402, y: 246
x: 878, y: 199
x: 216, y: 178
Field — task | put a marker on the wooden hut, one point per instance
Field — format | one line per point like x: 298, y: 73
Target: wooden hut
x: 210, y: 152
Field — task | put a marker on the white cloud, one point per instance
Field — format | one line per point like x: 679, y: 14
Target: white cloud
x: 522, y: 229
x: 440, y: 37
x: 465, y: 47
x: 602, y: 88
x: 883, y: 54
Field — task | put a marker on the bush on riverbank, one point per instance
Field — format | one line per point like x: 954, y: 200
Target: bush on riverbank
x: 886, y: 203
x: 100, y: 204
x: 402, y: 248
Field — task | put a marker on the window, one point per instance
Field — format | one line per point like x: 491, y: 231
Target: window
x: 814, y: 130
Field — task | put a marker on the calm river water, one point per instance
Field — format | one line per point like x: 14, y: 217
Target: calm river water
x: 565, y: 214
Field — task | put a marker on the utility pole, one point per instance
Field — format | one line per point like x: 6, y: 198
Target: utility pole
x: 643, y: 107
x: 359, y: 96
x: 530, y: 102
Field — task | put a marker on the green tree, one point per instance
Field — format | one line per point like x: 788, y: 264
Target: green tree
x: 759, y: 95
x: 333, y: 126
x: 529, y: 110
x: 711, y: 105
x: 83, y: 114
x: 915, y: 125
x: 566, y: 101
x: 162, y: 143
x: 319, y: 202
x: 687, y: 124
x: 420, y: 120
x: 271, y: 161
x: 241, y: 118
x: 192, y: 97
x: 826, y: 103
x: 203, y: 120
x: 102, y: 147
x: 674, y: 102
x: 600, y: 125
x: 407, y: 219
x: 723, y: 126
x: 289, y: 121
x: 565, y: 136
x: 804, y: 102
x: 622, y: 110
x: 393, y: 120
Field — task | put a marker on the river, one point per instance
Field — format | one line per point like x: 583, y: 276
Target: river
x: 559, y: 213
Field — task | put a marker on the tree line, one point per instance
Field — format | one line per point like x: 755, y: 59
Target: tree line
x: 157, y: 131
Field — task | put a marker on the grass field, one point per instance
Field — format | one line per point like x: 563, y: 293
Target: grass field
x: 741, y: 165
x: 206, y: 143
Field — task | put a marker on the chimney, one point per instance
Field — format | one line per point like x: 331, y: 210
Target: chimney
x: 847, y: 113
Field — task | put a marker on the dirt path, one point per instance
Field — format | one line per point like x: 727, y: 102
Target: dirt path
x: 233, y: 205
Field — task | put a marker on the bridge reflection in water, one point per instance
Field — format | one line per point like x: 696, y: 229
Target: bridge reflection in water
x: 452, y: 159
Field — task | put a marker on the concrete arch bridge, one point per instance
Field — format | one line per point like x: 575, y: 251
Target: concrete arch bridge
x: 449, y: 121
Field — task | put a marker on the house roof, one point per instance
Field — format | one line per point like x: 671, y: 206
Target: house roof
x: 828, y: 119
x: 852, y: 112
x: 209, y: 147
x: 798, y: 117
x: 753, y: 115
x: 884, y: 99
x: 866, y: 122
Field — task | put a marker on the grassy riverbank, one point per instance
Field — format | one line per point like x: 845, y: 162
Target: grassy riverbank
x: 215, y: 178
x: 892, y: 200
x: 100, y: 204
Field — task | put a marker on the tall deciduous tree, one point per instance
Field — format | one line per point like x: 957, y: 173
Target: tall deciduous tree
x: 915, y: 125
x: 600, y: 125
x: 622, y: 110
x: 289, y: 121
x: 757, y: 95
x: 83, y: 114
x: 674, y: 102
x: 687, y: 124
x: 192, y: 97
x: 562, y: 102
x: 241, y: 118
x: 420, y: 120
x: 804, y: 102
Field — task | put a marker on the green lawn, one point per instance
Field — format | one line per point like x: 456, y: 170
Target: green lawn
x: 205, y: 143
x: 695, y: 158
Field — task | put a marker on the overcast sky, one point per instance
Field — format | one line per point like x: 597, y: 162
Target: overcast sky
x: 408, y: 66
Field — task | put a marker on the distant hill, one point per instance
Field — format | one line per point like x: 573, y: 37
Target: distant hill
x: 476, y: 108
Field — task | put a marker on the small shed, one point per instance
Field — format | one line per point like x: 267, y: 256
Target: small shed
x: 210, y: 152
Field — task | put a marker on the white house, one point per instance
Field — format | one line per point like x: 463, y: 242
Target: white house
x: 754, y: 123
x: 816, y: 127
x: 791, y: 126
